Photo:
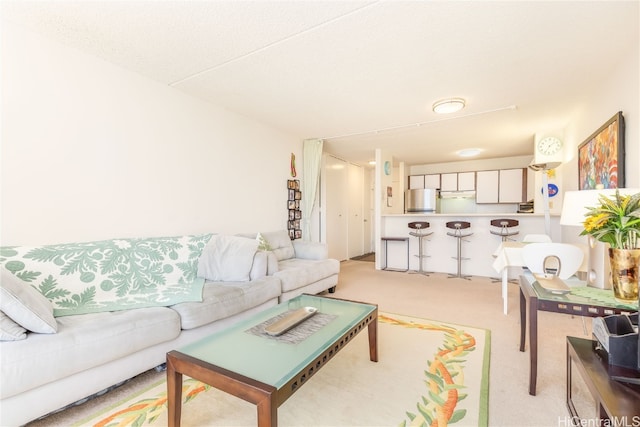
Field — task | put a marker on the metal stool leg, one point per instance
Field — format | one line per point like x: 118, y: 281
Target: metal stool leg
x: 459, y: 258
x: 420, y: 257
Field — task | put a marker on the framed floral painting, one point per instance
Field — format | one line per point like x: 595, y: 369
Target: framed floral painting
x: 601, y: 157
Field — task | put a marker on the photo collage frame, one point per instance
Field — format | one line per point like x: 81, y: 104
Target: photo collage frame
x: 293, y: 207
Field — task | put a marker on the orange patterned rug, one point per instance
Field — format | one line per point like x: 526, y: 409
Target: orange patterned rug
x: 429, y: 374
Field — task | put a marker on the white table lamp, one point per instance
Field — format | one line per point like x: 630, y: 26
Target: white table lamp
x: 575, y: 206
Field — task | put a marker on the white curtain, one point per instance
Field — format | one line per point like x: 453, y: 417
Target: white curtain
x: 312, y: 161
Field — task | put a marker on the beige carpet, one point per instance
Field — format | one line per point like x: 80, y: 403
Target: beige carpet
x: 476, y: 303
x: 427, y: 371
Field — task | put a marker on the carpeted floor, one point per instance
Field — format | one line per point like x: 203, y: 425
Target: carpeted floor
x: 445, y: 374
x: 477, y: 303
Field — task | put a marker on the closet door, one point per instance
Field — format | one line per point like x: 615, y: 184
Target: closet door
x: 356, y: 217
x: 336, y: 207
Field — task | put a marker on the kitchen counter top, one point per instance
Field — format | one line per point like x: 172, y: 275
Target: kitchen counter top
x: 469, y: 214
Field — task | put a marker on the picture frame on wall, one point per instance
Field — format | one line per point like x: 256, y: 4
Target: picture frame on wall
x: 601, y: 156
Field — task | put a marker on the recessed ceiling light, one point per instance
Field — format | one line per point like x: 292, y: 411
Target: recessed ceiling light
x: 469, y: 152
x: 450, y: 105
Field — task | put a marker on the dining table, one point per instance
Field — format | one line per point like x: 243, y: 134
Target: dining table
x: 508, y: 254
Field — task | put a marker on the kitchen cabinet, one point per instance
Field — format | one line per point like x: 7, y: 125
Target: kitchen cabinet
x: 416, y: 182
x: 449, y: 182
x: 512, y: 188
x: 462, y: 181
x: 501, y: 186
x: 487, y: 186
x: 466, y: 181
x: 432, y: 181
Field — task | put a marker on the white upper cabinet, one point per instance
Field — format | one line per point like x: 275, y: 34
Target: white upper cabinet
x: 487, y: 186
x: 512, y: 186
x: 461, y: 181
x: 466, y: 181
x: 432, y: 181
x: 449, y: 182
x: 416, y: 182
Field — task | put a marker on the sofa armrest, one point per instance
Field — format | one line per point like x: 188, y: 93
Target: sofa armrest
x: 310, y: 250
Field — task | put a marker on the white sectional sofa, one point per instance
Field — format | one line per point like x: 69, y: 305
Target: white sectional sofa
x: 58, y: 348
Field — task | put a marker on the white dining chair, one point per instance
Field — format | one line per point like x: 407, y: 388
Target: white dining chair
x: 559, y: 259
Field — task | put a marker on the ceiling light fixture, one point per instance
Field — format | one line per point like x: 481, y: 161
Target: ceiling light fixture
x: 469, y: 152
x: 450, y: 105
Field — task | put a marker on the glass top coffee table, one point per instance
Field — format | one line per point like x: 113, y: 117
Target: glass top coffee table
x: 264, y: 369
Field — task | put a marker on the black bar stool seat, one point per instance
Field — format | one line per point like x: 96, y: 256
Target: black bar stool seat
x: 504, y: 227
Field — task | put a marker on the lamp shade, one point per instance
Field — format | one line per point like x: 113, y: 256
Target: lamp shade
x: 575, y: 204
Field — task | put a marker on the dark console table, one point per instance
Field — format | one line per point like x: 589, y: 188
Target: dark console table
x: 616, y: 401
x: 581, y: 301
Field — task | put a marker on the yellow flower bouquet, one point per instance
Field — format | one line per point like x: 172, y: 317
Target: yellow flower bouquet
x: 616, y: 221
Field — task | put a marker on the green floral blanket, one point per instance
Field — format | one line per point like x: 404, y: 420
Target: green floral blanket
x: 111, y: 275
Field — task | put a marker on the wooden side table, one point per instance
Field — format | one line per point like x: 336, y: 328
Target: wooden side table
x: 534, y: 298
x: 616, y: 402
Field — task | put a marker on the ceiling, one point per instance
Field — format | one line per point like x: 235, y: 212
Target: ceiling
x: 364, y: 74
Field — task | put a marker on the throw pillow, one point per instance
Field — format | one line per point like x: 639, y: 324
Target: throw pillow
x: 280, y: 243
x: 25, y: 305
x: 263, y: 245
x: 10, y: 330
x: 227, y: 259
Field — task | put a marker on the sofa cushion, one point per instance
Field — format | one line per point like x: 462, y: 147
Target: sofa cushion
x: 25, y: 305
x: 82, y: 342
x: 227, y: 258
x: 224, y: 299
x: 260, y: 265
x: 296, y: 273
x: 280, y: 243
x: 10, y: 330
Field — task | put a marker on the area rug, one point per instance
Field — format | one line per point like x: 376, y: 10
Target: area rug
x: 429, y: 373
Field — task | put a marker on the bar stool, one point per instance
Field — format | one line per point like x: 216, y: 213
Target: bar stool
x: 419, y: 226
x: 458, y: 227
x: 504, y: 228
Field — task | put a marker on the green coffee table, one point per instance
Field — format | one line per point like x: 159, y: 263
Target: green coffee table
x: 267, y: 370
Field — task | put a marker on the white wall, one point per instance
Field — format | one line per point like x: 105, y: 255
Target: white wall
x: 91, y: 151
x: 619, y: 92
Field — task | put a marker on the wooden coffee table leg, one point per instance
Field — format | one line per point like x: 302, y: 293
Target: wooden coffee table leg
x: 373, y: 339
x: 174, y: 394
x: 268, y: 412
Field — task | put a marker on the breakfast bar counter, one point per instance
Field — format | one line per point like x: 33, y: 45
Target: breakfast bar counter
x: 440, y: 248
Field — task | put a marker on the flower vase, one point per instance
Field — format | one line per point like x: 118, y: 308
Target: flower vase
x: 625, y: 272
